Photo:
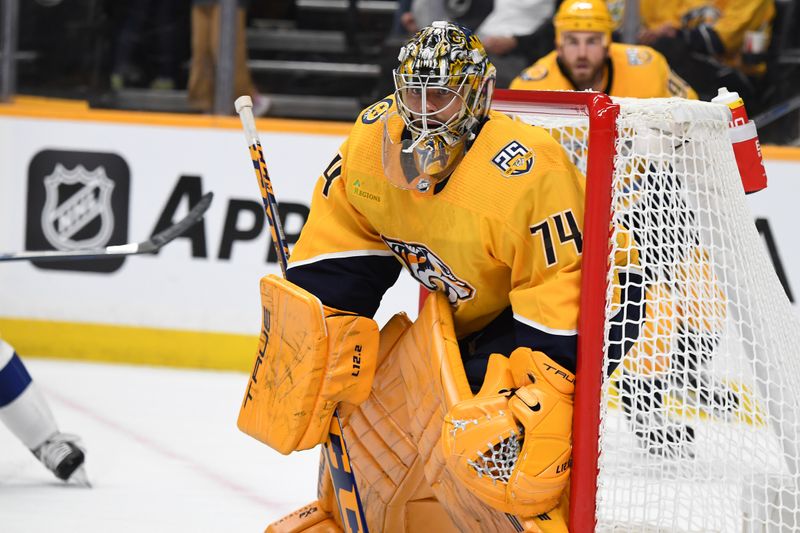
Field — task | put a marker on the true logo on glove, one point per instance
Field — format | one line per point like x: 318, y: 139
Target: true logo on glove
x: 560, y: 373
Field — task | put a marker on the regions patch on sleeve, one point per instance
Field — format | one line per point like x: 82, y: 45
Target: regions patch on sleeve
x: 514, y: 159
x: 376, y: 111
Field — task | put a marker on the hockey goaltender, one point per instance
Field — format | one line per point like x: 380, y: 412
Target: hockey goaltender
x: 461, y: 420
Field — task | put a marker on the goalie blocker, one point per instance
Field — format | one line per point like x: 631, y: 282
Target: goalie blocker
x: 310, y: 357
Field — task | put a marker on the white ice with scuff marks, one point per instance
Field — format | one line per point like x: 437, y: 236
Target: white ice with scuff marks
x: 163, y: 455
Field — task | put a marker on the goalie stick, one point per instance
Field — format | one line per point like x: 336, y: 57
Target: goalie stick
x: 336, y: 454
x: 149, y: 246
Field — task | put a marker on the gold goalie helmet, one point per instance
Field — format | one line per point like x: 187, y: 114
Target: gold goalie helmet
x: 443, y: 89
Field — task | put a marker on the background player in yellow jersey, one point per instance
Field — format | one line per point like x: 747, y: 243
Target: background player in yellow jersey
x: 585, y: 58
x: 487, y: 212
x: 712, y: 43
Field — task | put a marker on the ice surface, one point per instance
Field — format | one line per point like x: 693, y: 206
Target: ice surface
x: 163, y: 454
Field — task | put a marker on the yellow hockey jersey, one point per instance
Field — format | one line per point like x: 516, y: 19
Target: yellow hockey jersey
x: 632, y: 71
x: 502, y: 235
x: 731, y: 20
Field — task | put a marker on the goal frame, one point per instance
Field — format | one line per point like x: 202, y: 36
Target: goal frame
x: 602, y: 116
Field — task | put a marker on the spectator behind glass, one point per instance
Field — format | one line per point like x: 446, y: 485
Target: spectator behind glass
x: 133, y: 32
x: 205, y: 46
x: 499, y: 23
x: 585, y: 58
x: 515, y: 33
x: 712, y: 43
x: 416, y: 14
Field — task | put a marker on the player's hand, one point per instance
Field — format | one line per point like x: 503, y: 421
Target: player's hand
x: 408, y: 22
x: 499, y: 44
x: 649, y: 36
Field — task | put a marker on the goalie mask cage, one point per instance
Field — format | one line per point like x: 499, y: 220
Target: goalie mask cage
x: 686, y: 407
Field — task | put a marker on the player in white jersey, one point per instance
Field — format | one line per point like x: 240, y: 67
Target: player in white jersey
x: 24, y: 410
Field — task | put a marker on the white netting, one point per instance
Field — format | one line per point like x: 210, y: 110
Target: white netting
x: 496, y: 462
x: 699, y: 419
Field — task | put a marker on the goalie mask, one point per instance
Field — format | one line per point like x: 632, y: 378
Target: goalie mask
x: 443, y: 89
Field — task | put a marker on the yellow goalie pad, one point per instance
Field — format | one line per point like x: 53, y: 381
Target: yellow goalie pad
x: 309, y: 359
x: 435, y: 382
x: 394, y: 439
x: 311, y: 518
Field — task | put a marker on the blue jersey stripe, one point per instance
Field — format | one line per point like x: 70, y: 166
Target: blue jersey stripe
x: 354, y: 284
x: 14, y: 379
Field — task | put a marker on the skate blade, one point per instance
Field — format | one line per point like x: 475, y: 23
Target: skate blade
x: 80, y: 478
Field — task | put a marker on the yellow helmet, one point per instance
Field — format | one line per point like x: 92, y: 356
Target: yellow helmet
x: 583, y: 15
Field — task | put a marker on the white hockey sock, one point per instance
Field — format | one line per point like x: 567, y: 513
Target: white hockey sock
x: 29, y: 417
x: 24, y: 409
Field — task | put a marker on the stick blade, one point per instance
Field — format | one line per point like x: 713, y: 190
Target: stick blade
x: 154, y: 243
x: 151, y: 245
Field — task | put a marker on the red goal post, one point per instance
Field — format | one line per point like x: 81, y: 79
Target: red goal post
x: 601, y: 114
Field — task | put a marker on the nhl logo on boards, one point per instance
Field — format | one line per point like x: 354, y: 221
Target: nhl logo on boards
x: 63, y: 219
x: 77, y: 200
x: 514, y: 159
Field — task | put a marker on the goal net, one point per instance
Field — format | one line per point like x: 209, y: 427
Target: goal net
x: 686, y: 415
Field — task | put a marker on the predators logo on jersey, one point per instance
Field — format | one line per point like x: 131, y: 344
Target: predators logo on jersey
x: 430, y: 270
x: 514, y: 159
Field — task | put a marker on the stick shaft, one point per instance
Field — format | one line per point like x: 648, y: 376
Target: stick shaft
x: 336, y: 453
x: 244, y: 106
x: 270, y: 205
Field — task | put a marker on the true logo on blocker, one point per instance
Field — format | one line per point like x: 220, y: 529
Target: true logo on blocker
x: 77, y: 200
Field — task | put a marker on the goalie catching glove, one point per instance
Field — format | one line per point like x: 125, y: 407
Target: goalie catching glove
x: 512, y: 443
x: 310, y: 357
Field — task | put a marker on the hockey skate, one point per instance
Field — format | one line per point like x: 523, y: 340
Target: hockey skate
x: 663, y: 438
x: 697, y: 387
x: 64, y: 458
x: 643, y: 403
